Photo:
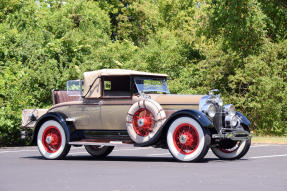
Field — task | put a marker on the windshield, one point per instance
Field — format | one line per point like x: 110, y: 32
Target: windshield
x: 156, y: 85
x: 74, y: 87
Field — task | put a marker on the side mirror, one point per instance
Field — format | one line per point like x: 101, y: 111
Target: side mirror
x: 74, y: 87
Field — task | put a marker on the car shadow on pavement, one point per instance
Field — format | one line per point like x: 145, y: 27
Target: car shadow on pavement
x: 130, y: 159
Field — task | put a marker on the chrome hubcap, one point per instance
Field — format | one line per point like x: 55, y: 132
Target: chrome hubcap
x: 182, y: 139
x: 48, y: 139
x: 140, y: 122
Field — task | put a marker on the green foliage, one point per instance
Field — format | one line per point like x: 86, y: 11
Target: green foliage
x: 261, y: 86
x: 41, y: 47
x: 8, y: 7
x: 240, y: 23
x: 238, y: 47
x: 276, y: 19
x: 138, y: 21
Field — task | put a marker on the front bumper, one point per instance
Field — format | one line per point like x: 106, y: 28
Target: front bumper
x: 238, y: 135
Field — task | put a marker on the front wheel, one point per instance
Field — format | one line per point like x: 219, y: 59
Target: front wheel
x: 228, y: 149
x: 99, y: 151
x: 187, y: 140
x: 231, y: 150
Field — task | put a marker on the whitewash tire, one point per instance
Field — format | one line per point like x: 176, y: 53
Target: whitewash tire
x: 202, y: 144
x: 238, y: 153
x: 63, y: 148
x: 158, y: 115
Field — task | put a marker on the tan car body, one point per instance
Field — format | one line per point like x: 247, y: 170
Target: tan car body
x: 110, y: 113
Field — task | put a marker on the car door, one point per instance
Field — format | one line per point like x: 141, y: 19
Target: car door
x: 114, y: 112
x: 115, y: 102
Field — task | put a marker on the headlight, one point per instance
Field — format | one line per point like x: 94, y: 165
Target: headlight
x: 209, y: 109
x: 231, y: 120
x: 230, y: 109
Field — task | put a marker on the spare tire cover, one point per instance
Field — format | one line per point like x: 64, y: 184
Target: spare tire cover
x: 145, y: 118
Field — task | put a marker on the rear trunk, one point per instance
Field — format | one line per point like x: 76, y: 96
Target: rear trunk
x: 30, y: 116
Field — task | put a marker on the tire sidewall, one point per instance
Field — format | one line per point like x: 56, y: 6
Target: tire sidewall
x: 158, y: 114
x: 195, y: 155
x: 58, y: 154
x: 104, y: 151
x: 238, y: 153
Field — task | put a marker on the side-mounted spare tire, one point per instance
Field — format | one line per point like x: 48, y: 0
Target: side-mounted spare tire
x: 145, y: 118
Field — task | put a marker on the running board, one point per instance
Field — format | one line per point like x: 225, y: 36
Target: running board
x: 111, y: 143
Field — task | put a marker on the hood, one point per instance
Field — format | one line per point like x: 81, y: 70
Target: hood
x: 175, y: 99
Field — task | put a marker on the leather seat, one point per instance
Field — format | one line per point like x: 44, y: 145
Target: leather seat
x: 60, y: 96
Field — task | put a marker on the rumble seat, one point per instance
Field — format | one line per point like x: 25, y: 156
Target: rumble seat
x: 60, y: 96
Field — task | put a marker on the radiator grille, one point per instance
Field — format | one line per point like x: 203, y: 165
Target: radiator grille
x: 218, y: 120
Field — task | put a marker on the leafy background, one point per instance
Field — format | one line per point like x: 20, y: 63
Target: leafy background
x: 238, y: 47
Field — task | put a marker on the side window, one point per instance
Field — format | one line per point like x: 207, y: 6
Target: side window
x: 107, y: 85
x: 117, y: 86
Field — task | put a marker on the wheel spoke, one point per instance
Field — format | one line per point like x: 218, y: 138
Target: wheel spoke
x: 145, y: 126
x: 51, y: 139
x: 186, y: 138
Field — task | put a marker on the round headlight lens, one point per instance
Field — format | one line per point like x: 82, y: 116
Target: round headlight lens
x: 230, y: 109
x: 209, y: 109
x: 231, y: 120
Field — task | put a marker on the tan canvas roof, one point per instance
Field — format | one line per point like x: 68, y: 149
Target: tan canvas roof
x: 120, y: 72
x: 89, y: 78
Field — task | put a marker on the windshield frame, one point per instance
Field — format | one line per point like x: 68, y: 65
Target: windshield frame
x: 164, y: 89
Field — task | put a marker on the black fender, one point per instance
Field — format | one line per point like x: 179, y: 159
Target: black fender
x: 198, y: 116
x: 243, y: 120
x: 48, y: 116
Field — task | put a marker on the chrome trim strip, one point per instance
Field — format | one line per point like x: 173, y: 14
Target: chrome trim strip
x: 70, y: 119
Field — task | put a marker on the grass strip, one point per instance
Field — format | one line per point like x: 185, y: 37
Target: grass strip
x: 269, y: 139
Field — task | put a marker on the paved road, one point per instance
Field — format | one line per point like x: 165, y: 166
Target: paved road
x: 142, y: 169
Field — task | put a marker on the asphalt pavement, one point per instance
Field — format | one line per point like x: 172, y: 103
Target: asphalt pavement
x: 142, y: 169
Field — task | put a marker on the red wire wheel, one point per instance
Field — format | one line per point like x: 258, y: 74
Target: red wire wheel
x: 143, y: 122
x: 186, y: 138
x: 52, y: 139
x: 232, y: 149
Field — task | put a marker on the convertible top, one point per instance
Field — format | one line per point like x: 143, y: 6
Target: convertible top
x: 90, y: 77
x: 120, y: 72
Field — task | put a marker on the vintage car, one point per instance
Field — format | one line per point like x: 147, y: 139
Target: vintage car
x: 119, y: 107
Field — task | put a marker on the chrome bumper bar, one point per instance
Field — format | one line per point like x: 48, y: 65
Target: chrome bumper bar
x: 240, y: 135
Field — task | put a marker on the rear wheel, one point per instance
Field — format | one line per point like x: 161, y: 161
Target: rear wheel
x: 99, y: 151
x: 51, y: 140
x: 187, y: 140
